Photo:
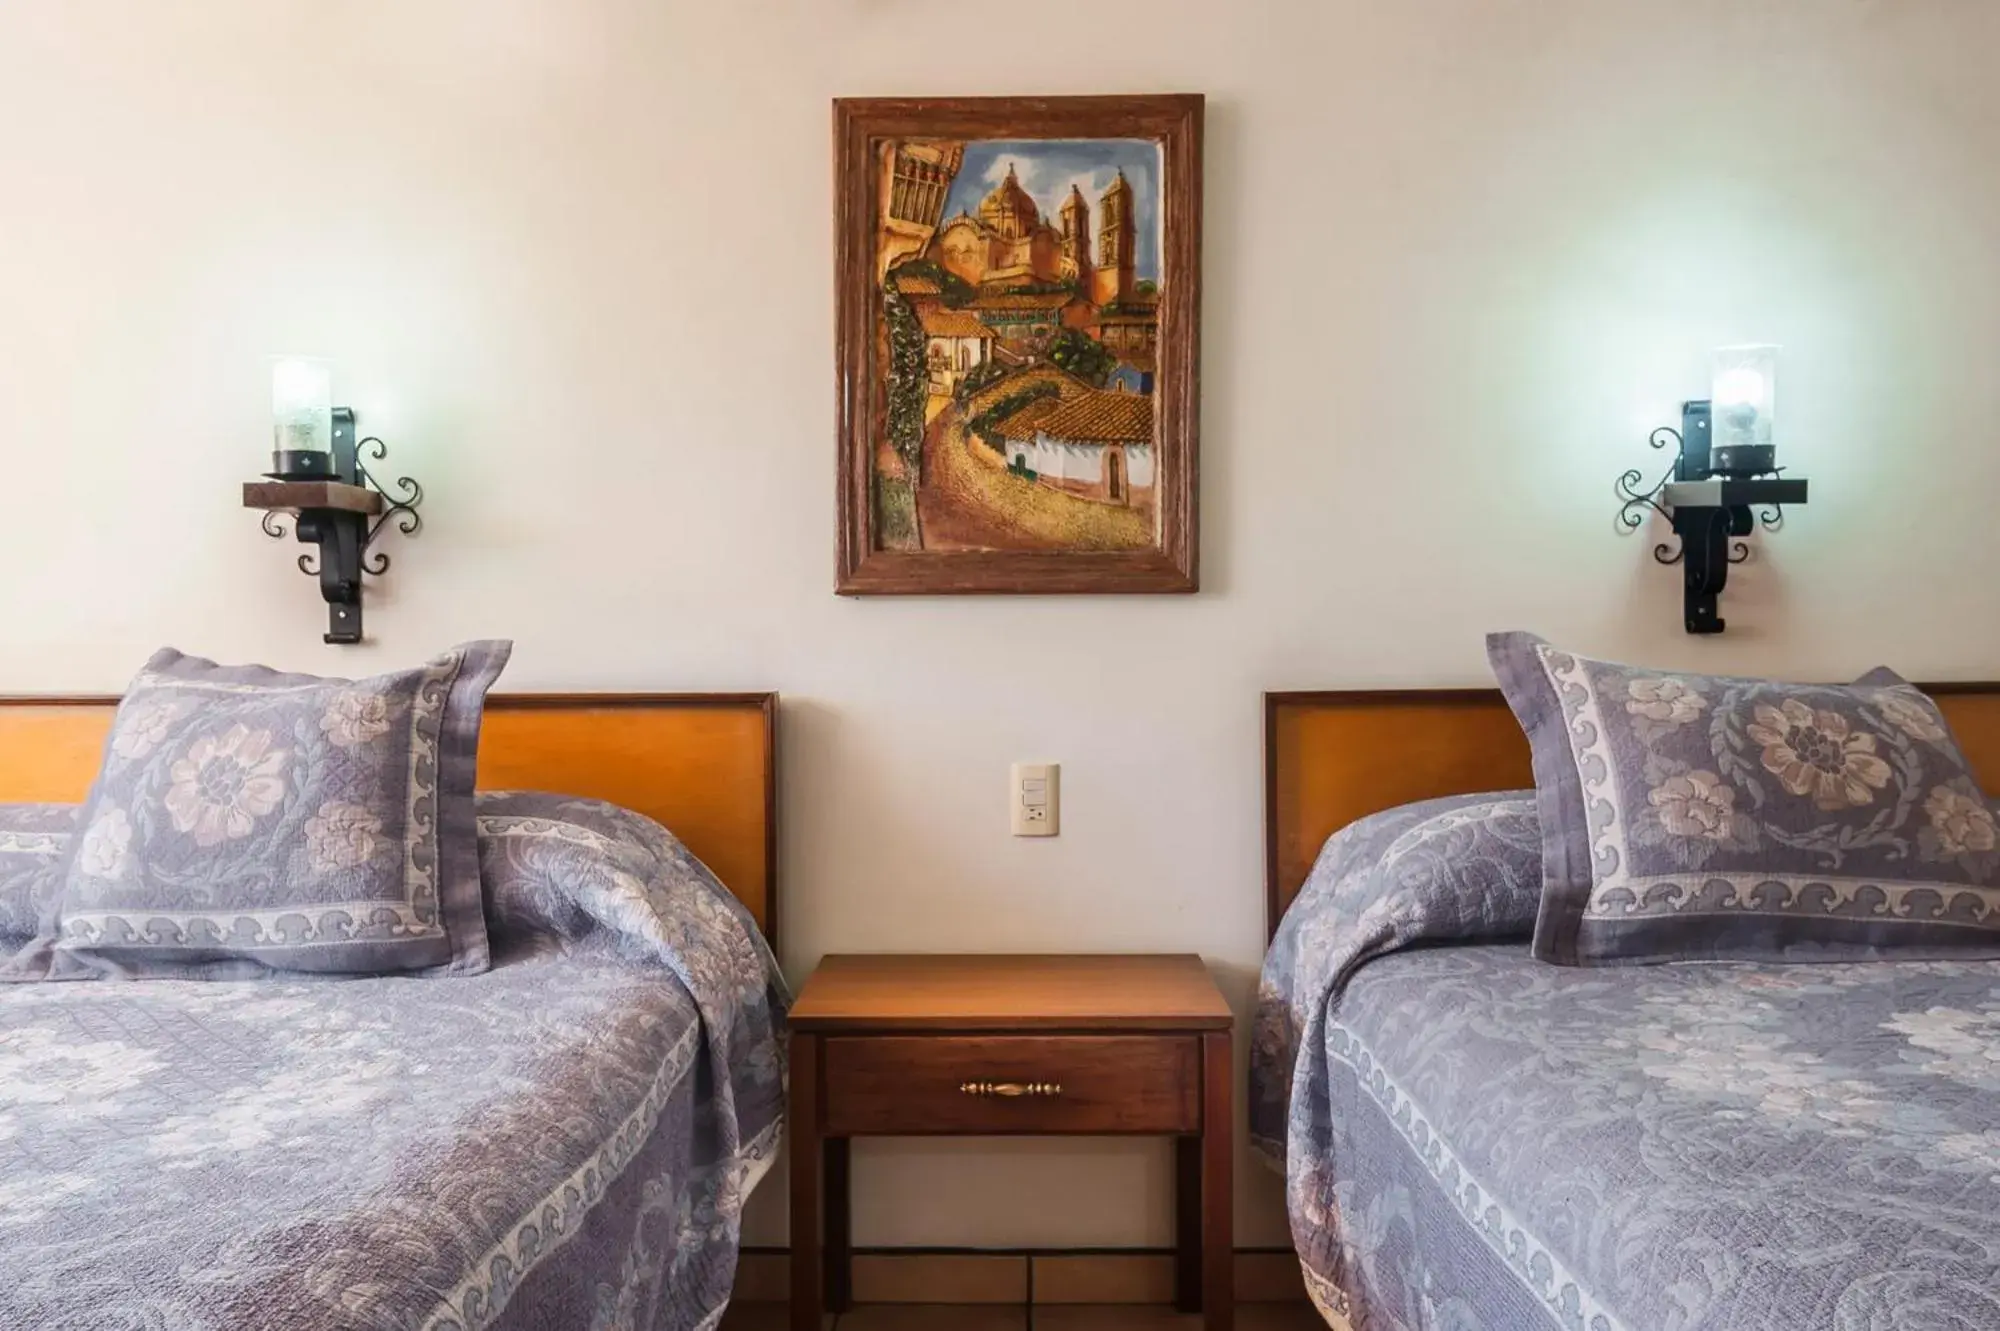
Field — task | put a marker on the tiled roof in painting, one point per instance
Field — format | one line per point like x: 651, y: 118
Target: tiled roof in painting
x: 1103, y: 418
x: 1023, y: 300
x: 1021, y: 425
x: 952, y: 323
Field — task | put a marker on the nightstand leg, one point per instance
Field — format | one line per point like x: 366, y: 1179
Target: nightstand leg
x: 802, y: 1124
x: 1218, y: 1195
x: 839, y: 1240
x: 1187, y: 1224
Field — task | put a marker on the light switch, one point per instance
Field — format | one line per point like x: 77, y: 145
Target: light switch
x: 1034, y: 799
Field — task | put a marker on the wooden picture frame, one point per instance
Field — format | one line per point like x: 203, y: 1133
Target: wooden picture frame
x: 1018, y: 379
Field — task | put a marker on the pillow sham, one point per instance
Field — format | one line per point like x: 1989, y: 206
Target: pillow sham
x: 1701, y: 817
x: 247, y: 820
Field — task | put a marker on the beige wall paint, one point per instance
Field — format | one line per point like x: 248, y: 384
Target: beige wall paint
x: 573, y: 260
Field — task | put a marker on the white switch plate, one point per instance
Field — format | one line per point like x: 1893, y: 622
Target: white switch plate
x: 1034, y: 797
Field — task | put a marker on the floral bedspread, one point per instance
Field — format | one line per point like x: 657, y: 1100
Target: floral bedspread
x: 1479, y: 1141
x: 565, y: 1141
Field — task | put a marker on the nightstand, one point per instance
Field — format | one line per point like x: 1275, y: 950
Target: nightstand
x: 896, y: 1046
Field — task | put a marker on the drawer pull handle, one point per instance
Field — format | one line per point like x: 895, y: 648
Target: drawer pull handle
x: 1010, y: 1090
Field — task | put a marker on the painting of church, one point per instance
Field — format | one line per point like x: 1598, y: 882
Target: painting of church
x: 1008, y: 243
x: 1028, y: 271
x: 1016, y: 342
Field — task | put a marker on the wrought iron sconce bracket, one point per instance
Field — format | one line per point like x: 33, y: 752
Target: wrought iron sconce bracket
x: 1710, y: 515
x: 341, y: 514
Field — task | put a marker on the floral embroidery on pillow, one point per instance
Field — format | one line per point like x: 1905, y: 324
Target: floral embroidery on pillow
x: 225, y: 784
x: 106, y: 850
x: 341, y: 836
x: 1814, y: 752
x: 353, y: 717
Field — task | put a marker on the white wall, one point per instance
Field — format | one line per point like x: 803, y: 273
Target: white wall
x: 573, y: 260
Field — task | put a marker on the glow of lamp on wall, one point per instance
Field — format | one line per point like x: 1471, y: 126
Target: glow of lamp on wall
x: 319, y: 478
x: 1724, y: 481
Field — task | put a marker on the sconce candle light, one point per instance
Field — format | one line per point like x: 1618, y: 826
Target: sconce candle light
x: 301, y: 419
x: 1725, y: 465
x: 1743, y: 403
x: 318, y: 478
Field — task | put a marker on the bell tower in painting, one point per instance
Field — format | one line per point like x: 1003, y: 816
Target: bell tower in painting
x: 1075, y: 219
x: 1116, y: 240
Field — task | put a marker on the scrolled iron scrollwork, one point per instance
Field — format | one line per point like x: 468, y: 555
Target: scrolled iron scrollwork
x: 1634, y: 501
x: 403, y: 496
x: 1631, y: 514
x: 308, y: 565
x: 413, y: 495
x: 273, y: 524
x: 402, y: 509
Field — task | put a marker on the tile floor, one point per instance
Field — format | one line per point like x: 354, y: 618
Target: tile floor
x: 1048, y: 1317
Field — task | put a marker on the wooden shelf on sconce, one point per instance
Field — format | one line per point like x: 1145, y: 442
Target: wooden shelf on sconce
x: 291, y: 496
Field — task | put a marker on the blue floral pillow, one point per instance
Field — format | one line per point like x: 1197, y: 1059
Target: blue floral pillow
x: 1703, y: 816
x: 246, y: 820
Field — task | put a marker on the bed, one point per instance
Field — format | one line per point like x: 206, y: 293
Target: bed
x: 563, y: 1141
x: 1473, y: 1139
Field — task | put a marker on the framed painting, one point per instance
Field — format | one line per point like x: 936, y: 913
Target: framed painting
x: 1018, y: 284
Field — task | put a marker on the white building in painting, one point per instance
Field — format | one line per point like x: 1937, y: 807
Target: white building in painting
x: 1099, y: 445
x: 955, y: 341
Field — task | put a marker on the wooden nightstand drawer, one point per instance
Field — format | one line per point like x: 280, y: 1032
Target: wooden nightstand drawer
x: 979, y: 1085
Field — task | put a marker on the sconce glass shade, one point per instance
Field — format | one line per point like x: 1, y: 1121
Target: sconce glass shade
x: 301, y: 418
x: 1743, y: 403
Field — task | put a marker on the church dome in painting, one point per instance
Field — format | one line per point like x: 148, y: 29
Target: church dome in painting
x: 1009, y: 210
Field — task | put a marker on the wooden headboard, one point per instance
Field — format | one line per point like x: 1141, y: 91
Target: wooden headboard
x: 1330, y: 758
x: 702, y: 764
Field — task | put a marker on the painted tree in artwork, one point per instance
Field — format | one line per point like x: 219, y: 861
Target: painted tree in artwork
x: 896, y: 495
x: 906, y: 381
x: 1082, y: 355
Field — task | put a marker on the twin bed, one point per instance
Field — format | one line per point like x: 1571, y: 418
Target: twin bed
x: 1477, y: 1140
x: 564, y: 1140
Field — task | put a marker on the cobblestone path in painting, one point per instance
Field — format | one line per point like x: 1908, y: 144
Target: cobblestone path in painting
x: 970, y: 501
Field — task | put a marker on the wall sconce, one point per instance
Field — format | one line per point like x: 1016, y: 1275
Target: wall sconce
x: 318, y: 478
x: 1725, y: 465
